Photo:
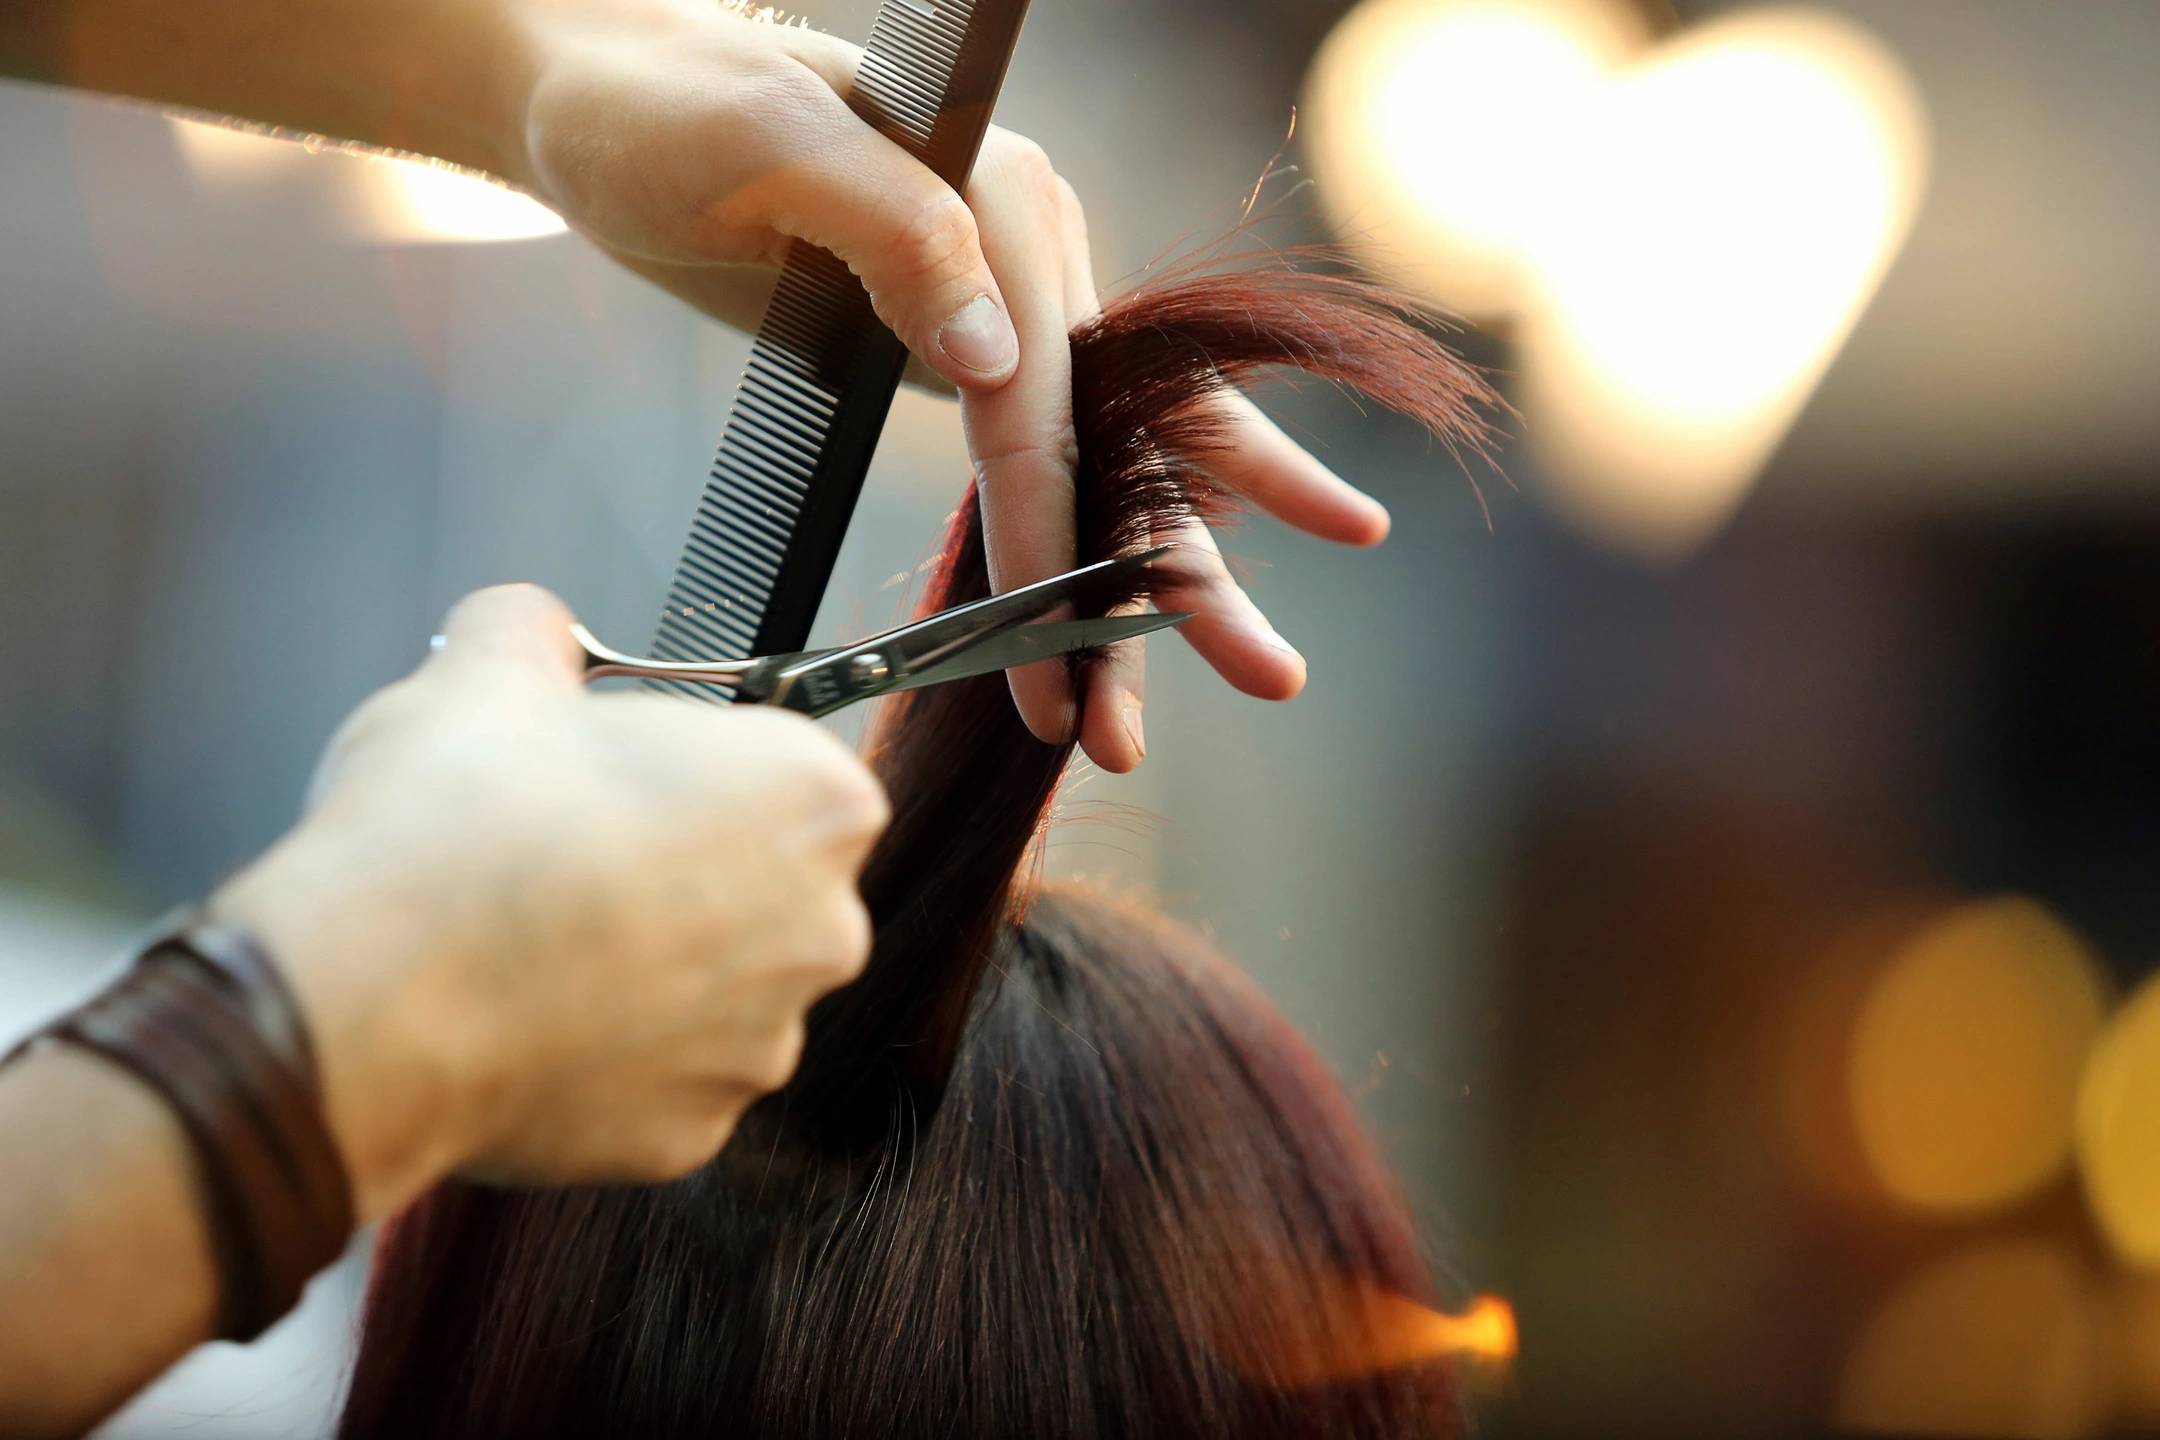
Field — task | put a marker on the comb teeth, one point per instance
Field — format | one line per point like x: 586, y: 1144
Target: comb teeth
x: 914, y: 49
x: 823, y: 369
x: 785, y: 405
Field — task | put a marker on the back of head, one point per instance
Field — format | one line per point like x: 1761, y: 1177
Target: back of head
x: 1051, y: 1167
x: 1142, y: 1208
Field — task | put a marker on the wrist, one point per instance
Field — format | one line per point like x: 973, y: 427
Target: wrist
x: 536, y: 40
x: 461, y: 74
x: 504, y: 42
x: 401, y: 1064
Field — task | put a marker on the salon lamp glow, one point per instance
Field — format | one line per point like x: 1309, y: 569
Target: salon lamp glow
x: 374, y: 198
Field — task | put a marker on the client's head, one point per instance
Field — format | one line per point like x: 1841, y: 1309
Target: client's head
x: 1051, y: 1167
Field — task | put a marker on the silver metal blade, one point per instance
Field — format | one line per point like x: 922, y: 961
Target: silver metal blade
x: 1029, y: 643
x: 926, y: 642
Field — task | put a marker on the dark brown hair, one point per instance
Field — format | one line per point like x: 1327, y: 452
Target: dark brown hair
x: 1050, y: 1168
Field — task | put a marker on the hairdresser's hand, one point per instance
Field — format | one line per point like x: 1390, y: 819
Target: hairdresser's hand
x: 689, y: 142
x: 545, y: 935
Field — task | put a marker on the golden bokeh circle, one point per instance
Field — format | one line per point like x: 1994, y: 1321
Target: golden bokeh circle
x: 2118, y: 1129
x: 1965, y: 1060
x: 2006, y: 1338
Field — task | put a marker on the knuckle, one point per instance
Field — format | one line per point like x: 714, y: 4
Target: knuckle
x: 936, y: 244
x: 852, y: 938
x: 787, y: 742
x: 388, y: 709
x: 844, y: 795
x: 1214, y: 573
x: 776, y: 1066
x: 770, y: 82
x: 1049, y: 457
x: 691, y: 1147
x: 1025, y: 165
x: 858, y: 801
x: 1070, y: 210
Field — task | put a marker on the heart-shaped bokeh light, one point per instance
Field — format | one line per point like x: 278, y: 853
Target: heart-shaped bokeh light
x: 1432, y: 126
x: 1685, y: 239
x: 1730, y: 216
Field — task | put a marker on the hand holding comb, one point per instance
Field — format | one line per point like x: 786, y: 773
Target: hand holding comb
x: 823, y: 369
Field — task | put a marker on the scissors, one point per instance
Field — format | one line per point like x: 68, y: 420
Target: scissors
x: 956, y: 644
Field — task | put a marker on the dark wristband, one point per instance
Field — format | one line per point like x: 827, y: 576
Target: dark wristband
x: 202, y: 1017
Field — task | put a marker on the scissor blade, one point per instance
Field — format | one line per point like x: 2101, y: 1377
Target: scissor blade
x: 926, y: 642
x: 1026, y: 644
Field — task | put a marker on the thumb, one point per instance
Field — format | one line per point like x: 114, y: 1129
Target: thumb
x: 912, y: 241
x: 508, y: 631
x: 905, y: 233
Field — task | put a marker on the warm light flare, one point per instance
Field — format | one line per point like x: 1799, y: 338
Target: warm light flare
x: 1485, y: 1333
x: 2003, y: 1339
x: 413, y: 202
x: 1965, y: 1056
x: 1687, y: 233
x: 1731, y: 213
x: 1375, y: 1330
x: 1434, y: 125
x: 1400, y: 1332
x: 235, y: 155
x: 2118, y: 1131
x: 373, y: 197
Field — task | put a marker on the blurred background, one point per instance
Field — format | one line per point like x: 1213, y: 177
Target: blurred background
x: 1729, y: 879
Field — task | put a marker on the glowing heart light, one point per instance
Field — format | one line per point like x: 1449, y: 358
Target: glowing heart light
x: 1720, y: 231
x: 1433, y: 126
x: 1686, y: 234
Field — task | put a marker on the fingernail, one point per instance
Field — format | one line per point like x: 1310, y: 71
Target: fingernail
x: 980, y: 338
x: 1129, y: 710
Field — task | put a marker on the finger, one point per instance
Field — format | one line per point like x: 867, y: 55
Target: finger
x: 836, y: 61
x: 1227, y: 628
x: 1283, y: 478
x: 1021, y: 437
x: 826, y: 177
x: 509, y: 631
x: 1111, y: 731
x: 1082, y: 300
x: 1110, y: 728
x: 739, y: 295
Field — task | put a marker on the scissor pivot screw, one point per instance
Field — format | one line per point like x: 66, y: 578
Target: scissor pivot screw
x: 869, y: 668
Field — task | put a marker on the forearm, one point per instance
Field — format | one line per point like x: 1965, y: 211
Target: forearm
x: 105, y: 1268
x: 440, y: 77
x: 468, y: 929
x: 108, y: 1270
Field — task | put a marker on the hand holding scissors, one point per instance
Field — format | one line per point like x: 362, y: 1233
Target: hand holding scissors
x: 957, y: 644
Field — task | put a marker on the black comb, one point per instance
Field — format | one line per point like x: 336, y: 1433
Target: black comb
x: 824, y: 368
